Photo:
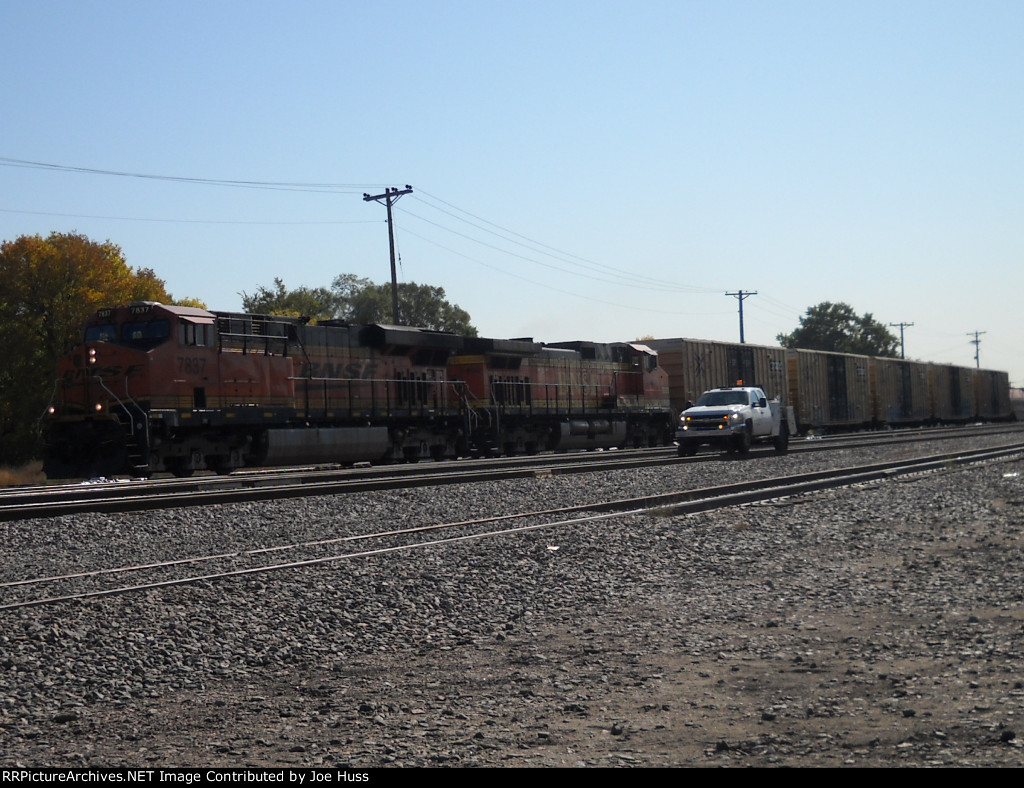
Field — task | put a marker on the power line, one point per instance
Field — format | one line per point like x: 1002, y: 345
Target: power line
x: 633, y: 278
x: 607, y: 273
x: 661, y: 286
x: 184, y: 221
x: 550, y: 251
x: 249, y: 184
x: 548, y: 286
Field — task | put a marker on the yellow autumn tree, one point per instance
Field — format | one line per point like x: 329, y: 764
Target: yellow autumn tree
x: 49, y: 287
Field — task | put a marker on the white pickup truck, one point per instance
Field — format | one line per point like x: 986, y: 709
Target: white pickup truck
x: 733, y: 419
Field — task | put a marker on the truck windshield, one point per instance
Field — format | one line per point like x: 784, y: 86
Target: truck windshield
x: 714, y: 398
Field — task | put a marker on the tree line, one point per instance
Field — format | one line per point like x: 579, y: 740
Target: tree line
x: 360, y: 301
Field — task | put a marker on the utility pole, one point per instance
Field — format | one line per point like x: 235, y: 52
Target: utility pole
x: 901, y: 327
x: 977, y: 346
x: 740, y: 296
x: 390, y: 197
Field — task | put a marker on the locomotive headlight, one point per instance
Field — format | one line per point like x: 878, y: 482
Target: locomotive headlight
x: 98, y: 407
x: 92, y: 355
x: 51, y: 410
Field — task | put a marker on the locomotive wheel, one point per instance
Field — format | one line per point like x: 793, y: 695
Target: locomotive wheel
x: 219, y: 465
x: 180, y: 467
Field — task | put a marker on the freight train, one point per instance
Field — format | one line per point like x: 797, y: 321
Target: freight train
x: 158, y: 388
x: 838, y: 391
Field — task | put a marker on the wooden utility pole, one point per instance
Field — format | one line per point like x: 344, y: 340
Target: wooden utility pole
x: 390, y: 196
x: 977, y: 347
x: 901, y: 327
x: 740, y: 296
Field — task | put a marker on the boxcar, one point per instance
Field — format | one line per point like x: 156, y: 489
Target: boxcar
x: 696, y: 365
x: 829, y: 390
x: 992, y: 394
x: 900, y: 392
x: 952, y: 390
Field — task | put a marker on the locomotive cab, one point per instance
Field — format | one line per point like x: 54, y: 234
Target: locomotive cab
x: 98, y: 421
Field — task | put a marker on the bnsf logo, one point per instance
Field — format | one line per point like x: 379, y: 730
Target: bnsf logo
x: 353, y: 370
x: 87, y: 373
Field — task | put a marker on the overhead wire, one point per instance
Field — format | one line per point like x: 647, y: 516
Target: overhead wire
x: 548, y: 285
x: 550, y: 251
x: 551, y: 266
x: 596, y: 271
x: 340, y: 188
x: 187, y: 221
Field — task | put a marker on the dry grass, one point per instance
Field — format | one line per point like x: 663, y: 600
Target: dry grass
x: 32, y: 473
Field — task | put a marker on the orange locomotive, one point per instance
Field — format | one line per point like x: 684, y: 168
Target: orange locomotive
x: 163, y: 388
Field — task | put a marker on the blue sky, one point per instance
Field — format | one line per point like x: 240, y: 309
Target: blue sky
x: 580, y: 170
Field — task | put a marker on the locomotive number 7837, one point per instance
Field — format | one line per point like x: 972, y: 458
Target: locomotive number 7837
x: 191, y: 365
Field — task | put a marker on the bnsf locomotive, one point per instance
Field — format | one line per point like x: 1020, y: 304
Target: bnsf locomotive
x: 165, y: 388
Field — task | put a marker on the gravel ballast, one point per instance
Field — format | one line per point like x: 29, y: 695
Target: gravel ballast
x: 875, y: 625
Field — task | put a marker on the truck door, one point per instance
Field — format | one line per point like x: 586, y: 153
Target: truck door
x: 762, y: 415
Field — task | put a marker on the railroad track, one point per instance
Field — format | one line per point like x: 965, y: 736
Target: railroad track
x: 142, y: 495
x: 139, y: 578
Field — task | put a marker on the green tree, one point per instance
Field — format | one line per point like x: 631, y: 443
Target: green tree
x: 836, y: 327
x: 423, y: 306
x: 358, y: 300
x: 315, y: 303
x: 49, y: 288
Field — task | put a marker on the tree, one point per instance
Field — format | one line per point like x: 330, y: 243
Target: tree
x: 836, y: 327
x: 358, y: 300
x: 315, y: 303
x: 48, y: 290
x: 424, y: 306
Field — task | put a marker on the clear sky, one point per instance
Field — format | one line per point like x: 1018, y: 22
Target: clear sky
x: 581, y: 170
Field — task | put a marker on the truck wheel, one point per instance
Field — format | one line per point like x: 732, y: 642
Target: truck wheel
x: 743, y: 440
x: 782, y: 439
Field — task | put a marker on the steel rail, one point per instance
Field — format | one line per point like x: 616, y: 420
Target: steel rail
x: 12, y: 497
x: 666, y: 504
x: 148, y: 495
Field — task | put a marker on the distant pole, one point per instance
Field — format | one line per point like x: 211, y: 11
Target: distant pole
x: 901, y: 327
x: 390, y: 196
x: 741, y: 296
x: 977, y: 346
